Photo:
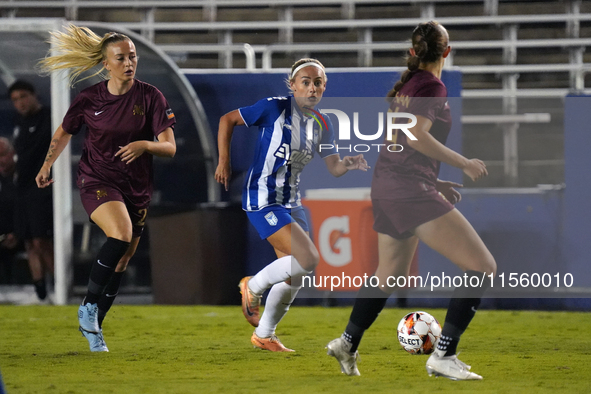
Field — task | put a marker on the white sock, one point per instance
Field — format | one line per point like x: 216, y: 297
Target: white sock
x: 279, y: 270
x: 278, y: 301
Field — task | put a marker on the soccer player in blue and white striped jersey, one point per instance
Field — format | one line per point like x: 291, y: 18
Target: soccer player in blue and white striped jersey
x: 290, y: 132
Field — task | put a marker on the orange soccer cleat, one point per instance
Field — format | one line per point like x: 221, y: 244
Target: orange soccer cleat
x: 272, y: 343
x: 250, y: 302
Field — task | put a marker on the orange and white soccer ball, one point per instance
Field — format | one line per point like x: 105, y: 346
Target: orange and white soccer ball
x: 418, y: 333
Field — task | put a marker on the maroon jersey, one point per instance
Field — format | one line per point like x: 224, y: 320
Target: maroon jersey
x: 114, y: 121
x: 409, y: 174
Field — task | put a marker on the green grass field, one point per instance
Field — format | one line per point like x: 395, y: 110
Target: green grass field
x: 197, y: 349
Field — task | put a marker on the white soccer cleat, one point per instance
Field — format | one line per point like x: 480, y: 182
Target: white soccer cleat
x: 340, y: 349
x: 87, y: 318
x: 450, y: 367
x: 95, y: 340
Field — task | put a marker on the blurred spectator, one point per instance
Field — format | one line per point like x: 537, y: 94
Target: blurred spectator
x: 34, y: 207
x: 8, y: 240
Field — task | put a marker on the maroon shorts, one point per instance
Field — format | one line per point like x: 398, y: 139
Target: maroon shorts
x: 398, y: 218
x: 94, y: 195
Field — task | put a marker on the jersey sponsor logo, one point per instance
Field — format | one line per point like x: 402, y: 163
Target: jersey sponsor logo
x: 283, y: 152
x: 271, y: 219
x: 97, y: 113
x: 169, y: 114
x: 300, y: 158
x: 100, y: 194
x: 32, y: 129
x: 138, y: 109
x: 291, y: 156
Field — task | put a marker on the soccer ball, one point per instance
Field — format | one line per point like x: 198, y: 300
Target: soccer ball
x: 418, y: 333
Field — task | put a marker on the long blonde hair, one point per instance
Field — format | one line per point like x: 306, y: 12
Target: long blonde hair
x: 78, y: 49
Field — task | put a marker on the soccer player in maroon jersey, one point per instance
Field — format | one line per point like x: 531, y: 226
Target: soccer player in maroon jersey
x: 123, y: 117
x: 410, y: 203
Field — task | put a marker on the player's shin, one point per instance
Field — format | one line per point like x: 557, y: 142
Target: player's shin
x: 369, y: 303
x: 279, y: 270
x: 108, y: 296
x: 462, y: 308
x: 103, y: 267
x: 278, y: 302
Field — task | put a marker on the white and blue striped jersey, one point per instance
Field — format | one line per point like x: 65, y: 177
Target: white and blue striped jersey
x: 287, y: 142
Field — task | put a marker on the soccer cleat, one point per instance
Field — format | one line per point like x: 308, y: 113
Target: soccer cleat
x: 88, y: 318
x: 250, y: 302
x: 340, y: 349
x: 96, y: 341
x: 272, y: 343
x: 450, y: 367
x: 468, y: 367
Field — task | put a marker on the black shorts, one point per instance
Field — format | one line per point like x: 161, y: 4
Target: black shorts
x: 33, y: 213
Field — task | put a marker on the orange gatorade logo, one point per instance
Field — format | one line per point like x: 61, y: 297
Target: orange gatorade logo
x: 100, y: 194
x: 346, y: 243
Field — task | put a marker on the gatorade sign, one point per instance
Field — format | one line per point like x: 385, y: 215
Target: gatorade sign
x: 342, y: 231
x: 334, y: 242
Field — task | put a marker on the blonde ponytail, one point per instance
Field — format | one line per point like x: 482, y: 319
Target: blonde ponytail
x: 78, y: 49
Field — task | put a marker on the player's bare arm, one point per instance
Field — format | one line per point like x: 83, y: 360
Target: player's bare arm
x: 164, y: 147
x: 338, y: 167
x: 429, y: 146
x: 58, y: 143
x: 447, y: 189
x: 225, y: 130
